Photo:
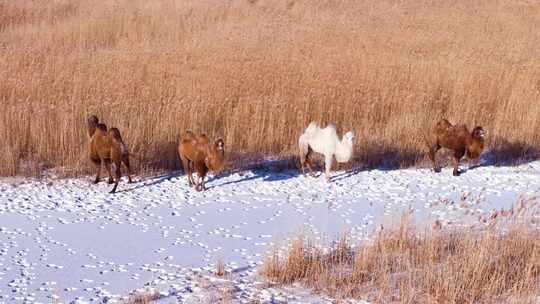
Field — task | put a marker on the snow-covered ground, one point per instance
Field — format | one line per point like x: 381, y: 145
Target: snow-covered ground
x: 71, y: 240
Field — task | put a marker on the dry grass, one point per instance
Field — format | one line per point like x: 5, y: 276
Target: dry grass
x: 256, y: 72
x: 143, y: 298
x: 404, y: 266
x: 220, y: 268
x: 54, y: 297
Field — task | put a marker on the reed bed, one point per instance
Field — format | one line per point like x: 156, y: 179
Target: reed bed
x: 257, y: 72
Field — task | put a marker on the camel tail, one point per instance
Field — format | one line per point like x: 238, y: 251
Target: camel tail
x: 115, y: 133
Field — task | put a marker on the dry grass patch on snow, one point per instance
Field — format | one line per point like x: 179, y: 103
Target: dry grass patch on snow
x: 404, y: 265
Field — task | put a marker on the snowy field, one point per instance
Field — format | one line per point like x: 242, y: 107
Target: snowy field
x: 71, y: 241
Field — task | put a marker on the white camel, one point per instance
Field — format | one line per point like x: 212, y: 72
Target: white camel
x: 324, y: 141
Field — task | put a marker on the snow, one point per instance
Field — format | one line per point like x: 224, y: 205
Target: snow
x: 73, y: 241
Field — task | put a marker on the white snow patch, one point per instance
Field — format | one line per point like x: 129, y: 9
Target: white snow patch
x: 75, y: 241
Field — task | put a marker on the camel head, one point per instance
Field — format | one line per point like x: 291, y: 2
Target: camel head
x: 476, y: 144
x: 215, y: 156
x: 344, y: 150
x: 478, y: 133
x: 220, y: 145
x: 349, y: 136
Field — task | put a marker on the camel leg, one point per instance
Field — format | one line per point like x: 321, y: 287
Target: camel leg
x: 191, y: 169
x: 187, y: 169
x: 185, y: 166
x: 97, y: 162
x: 125, y: 160
x: 304, y: 153
x: 302, y: 165
x: 199, y: 183
x: 305, y: 160
x: 328, y: 166
x: 201, y: 173
x: 118, y: 175
x: 457, y: 157
x: 308, y: 161
x: 431, y: 154
x: 311, y: 170
x: 107, y: 163
x: 200, y: 186
x: 203, y: 177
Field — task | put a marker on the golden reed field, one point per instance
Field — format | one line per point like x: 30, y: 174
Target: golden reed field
x: 257, y: 72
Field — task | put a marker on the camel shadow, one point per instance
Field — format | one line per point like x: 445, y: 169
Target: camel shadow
x: 242, y: 269
x: 265, y: 171
x: 345, y: 174
x: 155, y: 180
x: 266, y: 175
x: 511, y: 153
x: 485, y: 160
x: 489, y: 159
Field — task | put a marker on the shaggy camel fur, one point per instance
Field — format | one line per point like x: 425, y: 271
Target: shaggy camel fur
x: 324, y: 141
x: 196, y: 152
x: 458, y: 139
x: 107, y: 147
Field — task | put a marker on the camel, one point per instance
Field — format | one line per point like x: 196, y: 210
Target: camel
x: 196, y: 152
x: 107, y: 147
x: 458, y: 139
x: 324, y: 141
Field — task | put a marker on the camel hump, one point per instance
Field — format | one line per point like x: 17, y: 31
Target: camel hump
x: 331, y: 128
x: 312, y: 127
x: 203, y: 139
x: 101, y: 127
x: 115, y: 134
x: 187, y: 135
x: 443, y: 124
x: 315, y: 130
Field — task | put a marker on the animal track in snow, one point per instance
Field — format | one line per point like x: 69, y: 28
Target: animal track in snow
x: 78, y: 242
